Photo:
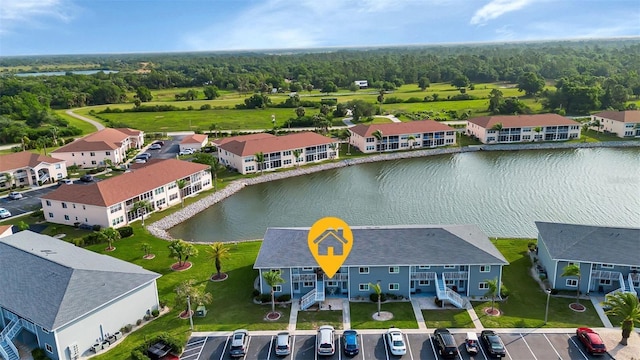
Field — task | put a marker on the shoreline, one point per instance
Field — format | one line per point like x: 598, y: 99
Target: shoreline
x: 160, y: 228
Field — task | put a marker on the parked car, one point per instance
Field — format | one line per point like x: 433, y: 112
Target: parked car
x: 350, y: 342
x: 283, y: 344
x: 591, y: 341
x: 471, y: 343
x: 186, y: 152
x: 325, y: 340
x: 395, y: 341
x: 159, y: 142
x: 139, y: 161
x: 145, y: 156
x: 155, y: 147
x: 239, y: 343
x: 4, y: 213
x: 493, y: 344
x: 65, y: 181
x: 445, y: 343
x: 87, y: 178
x: 15, y: 195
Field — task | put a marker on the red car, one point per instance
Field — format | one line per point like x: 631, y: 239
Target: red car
x: 592, y: 341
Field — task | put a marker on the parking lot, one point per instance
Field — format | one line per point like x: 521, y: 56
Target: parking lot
x: 535, y: 346
x: 30, y: 201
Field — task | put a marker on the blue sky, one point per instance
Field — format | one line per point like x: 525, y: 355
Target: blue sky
x: 34, y: 27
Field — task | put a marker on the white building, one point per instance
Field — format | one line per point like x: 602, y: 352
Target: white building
x: 64, y: 299
x: 110, y: 202
x: 402, y: 136
x: 523, y: 128
x: 622, y: 123
x: 106, y: 144
x: 363, y: 84
x: 28, y: 169
x: 195, y: 142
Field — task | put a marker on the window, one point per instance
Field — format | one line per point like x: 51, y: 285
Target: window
x: 449, y: 266
x: 363, y: 287
x: 485, y: 268
x: 276, y: 271
x: 48, y: 203
x: 308, y: 284
x: 93, y: 162
x: 173, y: 197
x: 64, y: 205
x: 424, y: 282
x: 332, y: 283
x: 572, y: 263
x: 58, y: 166
x: 172, y: 186
x: 277, y: 288
x: 483, y: 285
x: 117, y: 220
x: 66, y: 217
x: 307, y: 268
x: 107, y: 153
x: 74, y: 205
x: 394, y: 269
x: 115, y: 208
x: 572, y: 282
x: 45, y: 330
x: 605, y: 281
x: 158, y: 191
x: 161, y: 202
x: 394, y: 287
x: 49, y: 348
x: 634, y: 268
x: 606, y: 266
x: 363, y: 270
x: 92, y: 154
x: 424, y: 267
x: 50, y: 215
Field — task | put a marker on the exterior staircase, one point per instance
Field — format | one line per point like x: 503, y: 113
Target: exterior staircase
x: 446, y: 294
x: 7, y: 350
x: 313, y: 296
x: 630, y: 284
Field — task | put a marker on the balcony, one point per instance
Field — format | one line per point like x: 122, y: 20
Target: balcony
x: 456, y: 275
x: 303, y: 277
x: 425, y: 275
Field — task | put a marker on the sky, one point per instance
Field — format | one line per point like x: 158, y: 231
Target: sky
x: 48, y: 27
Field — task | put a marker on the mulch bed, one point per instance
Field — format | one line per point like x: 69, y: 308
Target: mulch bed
x: 110, y: 249
x: 492, y: 312
x: 577, y: 307
x: 177, y: 267
x: 149, y: 257
x: 185, y: 314
x: 273, y: 316
x: 222, y: 277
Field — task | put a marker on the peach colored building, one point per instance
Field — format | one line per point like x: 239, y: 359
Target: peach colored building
x: 29, y: 169
x: 195, y: 142
x: 6, y: 230
x: 92, y: 150
x: 522, y: 128
x: 622, y: 123
x: 239, y: 152
x: 110, y: 202
x: 402, y: 136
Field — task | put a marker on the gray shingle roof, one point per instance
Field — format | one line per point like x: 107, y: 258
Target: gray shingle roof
x: 386, y: 246
x: 595, y: 244
x: 52, y: 282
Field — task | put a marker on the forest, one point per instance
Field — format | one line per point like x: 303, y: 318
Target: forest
x: 584, y: 76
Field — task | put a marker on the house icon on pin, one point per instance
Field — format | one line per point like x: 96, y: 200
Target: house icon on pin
x: 330, y: 239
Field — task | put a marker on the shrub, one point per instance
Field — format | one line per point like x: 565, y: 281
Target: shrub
x: 504, y: 291
x: 78, y: 242
x: 438, y: 302
x: 96, y: 227
x: 374, y: 297
x: 554, y: 291
x: 162, y: 303
x: 284, y: 298
x: 138, y: 322
x: 39, y: 354
x: 37, y: 214
x: 155, y: 313
x: 147, y: 317
x: 205, y: 107
x: 127, y: 328
x: 92, y: 239
x: 264, y: 298
x: 255, y: 292
x: 531, y: 245
x: 125, y: 231
x: 137, y: 354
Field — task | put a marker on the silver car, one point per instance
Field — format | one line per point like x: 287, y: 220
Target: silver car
x: 283, y: 344
x: 324, y: 340
x: 15, y: 195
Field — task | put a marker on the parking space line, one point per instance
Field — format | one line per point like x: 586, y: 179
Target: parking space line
x: 270, y: 346
x: 435, y: 353
x: 553, y: 347
x: 224, y: 349
x: 293, y: 345
x: 362, y: 347
x: 507, y: 352
x: 482, y: 351
x: 386, y: 350
x: 247, y: 349
x: 197, y: 342
x: 528, y: 347
x: 577, y: 347
x: 339, y: 348
x: 406, y: 339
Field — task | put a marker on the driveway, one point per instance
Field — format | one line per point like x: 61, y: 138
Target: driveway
x: 30, y: 201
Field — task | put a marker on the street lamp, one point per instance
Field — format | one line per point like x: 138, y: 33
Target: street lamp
x: 546, y: 310
x: 190, y: 314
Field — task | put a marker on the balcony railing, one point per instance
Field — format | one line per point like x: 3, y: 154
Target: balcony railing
x: 456, y: 275
x: 303, y: 277
x: 425, y: 275
x: 605, y: 275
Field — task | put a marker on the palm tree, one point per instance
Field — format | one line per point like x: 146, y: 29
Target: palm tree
x: 143, y: 205
x: 54, y: 132
x: 181, y: 184
x: 260, y: 160
x: 492, y: 291
x: 497, y: 126
x: 573, y: 270
x: 187, y: 290
x: 146, y: 247
x: 296, y: 155
x: 333, y: 146
x: 379, y: 136
x: 538, y: 130
x: 182, y: 250
x: 381, y: 99
x: 411, y: 139
x: 110, y: 235
x: 273, y: 278
x: 378, y: 290
x: 217, y: 253
x: 626, y: 306
x: 346, y: 135
x: 9, y: 179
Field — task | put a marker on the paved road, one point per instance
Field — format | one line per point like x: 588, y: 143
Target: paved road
x: 535, y: 346
x: 83, y: 118
x: 30, y: 201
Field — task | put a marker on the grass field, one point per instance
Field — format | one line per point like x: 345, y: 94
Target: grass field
x: 448, y: 318
x: 403, y: 317
x: 312, y: 320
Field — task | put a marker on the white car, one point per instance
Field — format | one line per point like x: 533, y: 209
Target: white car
x: 186, y: 152
x: 15, y: 195
x: 4, y: 213
x: 155, y: 147
x: 325, y: 340
x: 395, y: 342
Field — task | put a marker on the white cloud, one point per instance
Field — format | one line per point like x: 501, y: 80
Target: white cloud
x: 15, y: 13
x: 497, y: 8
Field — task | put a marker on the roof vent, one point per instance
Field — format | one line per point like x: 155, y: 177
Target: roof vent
x: 48, y: 252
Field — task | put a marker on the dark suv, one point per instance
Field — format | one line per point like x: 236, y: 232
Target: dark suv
x: 445, y: 343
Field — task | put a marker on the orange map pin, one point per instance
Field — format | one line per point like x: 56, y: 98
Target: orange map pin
x: 330, y: 240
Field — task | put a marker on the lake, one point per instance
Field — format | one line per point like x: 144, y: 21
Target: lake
x: 502, y: 192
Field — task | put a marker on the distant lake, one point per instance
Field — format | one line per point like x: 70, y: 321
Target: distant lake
x: 62, y: 73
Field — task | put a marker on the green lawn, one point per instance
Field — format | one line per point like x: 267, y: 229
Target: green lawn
x: 448, y: 318
x: 403, y: 317
x: 82, y: 125
x: 312, y: 320
x: 525, y: 306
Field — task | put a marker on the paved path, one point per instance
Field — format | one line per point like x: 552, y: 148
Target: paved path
x: 474, y: 317
x: 603, y: 317
x: 346, y: 314
x: 418, y: 313
x: 83, y: 118
x: 293, y: 316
